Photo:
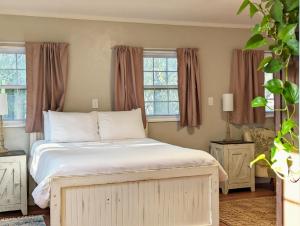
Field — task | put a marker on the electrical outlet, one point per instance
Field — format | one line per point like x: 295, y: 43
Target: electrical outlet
x: 95, y: 103
x: 210, y: 101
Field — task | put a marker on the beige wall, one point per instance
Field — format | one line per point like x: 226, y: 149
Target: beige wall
x: 91, y: 69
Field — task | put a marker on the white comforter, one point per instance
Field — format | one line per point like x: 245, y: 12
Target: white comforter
x: 62, y: 159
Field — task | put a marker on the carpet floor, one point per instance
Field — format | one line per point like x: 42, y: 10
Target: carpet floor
x: 249, y: 212
x: 37, y: 220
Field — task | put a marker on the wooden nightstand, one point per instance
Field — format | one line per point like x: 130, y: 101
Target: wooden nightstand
x: 235, y: 157
x: 13, y: 181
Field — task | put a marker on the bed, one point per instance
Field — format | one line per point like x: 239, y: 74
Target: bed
x: 125, y: 182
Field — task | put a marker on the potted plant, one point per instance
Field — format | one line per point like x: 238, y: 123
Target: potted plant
x: 278, y: 31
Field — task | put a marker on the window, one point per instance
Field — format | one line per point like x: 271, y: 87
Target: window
x: 268, y: 95
x: 13, y: 81
x: 161, y: 84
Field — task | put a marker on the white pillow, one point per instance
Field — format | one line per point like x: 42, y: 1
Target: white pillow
x: 47, y: 129
x: 73, y: 127
x: 121, y: 124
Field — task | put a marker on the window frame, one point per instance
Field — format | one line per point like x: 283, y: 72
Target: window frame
x: 163, y: 54
x: 13, y: 50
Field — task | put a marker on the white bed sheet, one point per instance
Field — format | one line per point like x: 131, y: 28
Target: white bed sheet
x: 64, y: 159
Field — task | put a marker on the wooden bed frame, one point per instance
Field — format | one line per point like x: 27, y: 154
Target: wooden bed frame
x: 167, y: 197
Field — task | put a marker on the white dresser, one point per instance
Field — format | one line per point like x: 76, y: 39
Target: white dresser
x: 13, y: 181
x: 235, y: 157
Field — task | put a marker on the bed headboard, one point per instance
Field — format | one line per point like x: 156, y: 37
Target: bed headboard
x: 35, y: 137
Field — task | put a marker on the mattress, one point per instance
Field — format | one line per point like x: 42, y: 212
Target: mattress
x: 106, y: 157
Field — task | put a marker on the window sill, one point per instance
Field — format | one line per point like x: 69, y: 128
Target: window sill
x: 13, y: 124
x: 163, y: 118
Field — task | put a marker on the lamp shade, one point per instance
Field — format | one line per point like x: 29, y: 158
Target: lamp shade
x: 3, y: 104
x: 227, y: 100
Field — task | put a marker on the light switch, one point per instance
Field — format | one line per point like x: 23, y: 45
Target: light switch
x: 95, y: 103
x: 210, y: 101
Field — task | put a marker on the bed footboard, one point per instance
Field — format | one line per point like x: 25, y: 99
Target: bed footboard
x: 181, y: 197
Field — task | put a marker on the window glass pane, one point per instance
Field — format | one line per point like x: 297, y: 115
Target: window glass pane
x: 172, y: 78
x: 161, y: 95
x: 21, y: 77
x: 268, y: 95
x: 8, y: 77
x: 21, y: 62
x: 149, y: 95
x: 173, y: 95
x: 160, y: 81
x: 148, y: 64
x: 149, y: 108
x: 148, y: 78
x: 174, y: 108
x: 270, y: 104
x: 160, y: 78
x: 172, y: 64
x: 12, y: 75
x: 7, y: 61
x: 160, y: 64
x: 161, y: 108
x: 268, y: 76
x: 16, y: 99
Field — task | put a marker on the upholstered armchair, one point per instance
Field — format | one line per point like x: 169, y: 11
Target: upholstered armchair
x: 263, y: 139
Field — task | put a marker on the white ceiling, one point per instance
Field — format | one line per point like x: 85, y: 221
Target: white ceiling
x: 220, y: 13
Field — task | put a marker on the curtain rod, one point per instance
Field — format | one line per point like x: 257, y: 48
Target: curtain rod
x: 156, y: 49
x: 13, y: 43
x: 162, y: 49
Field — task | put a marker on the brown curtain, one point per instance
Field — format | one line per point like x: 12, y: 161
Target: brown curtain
x: 46, y: 76
x: 246, y: 83
x: 189, y: 90
x: 129, y: 80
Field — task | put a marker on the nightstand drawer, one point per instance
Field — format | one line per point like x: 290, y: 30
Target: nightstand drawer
x: 10, y: 183
x: 239, y: 170
x: 13, y: 181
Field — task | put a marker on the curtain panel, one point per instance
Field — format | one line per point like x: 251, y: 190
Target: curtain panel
x: 189, y: 89
x: 46, y: 77
x: 246, y: 83
x: 129, y: 79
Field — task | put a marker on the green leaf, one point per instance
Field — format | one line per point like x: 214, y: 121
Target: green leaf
x: 273, y: 152
x: 280, y: 165
x: 259, y: 102
x: 256, y: 29
x: 274, y: 85
x: 277, y: 49
x: 264, y: 62
x: 292, y: 4
x: 291, y: 92
x: 269, y: 4
x: 243, y: 6
x: 274, y: 65
x: 287, y: 147
x: 252, y: 9
x: 293, y: 44
x: 278, y: 144
x: 287, y: 32
x: 287, y: 126
x: 265, y: 23
x: 276, y: 11
x: 255, y: 41
x: 258, y: 158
